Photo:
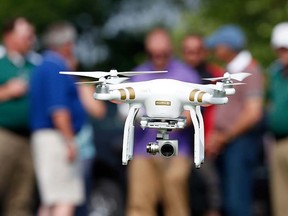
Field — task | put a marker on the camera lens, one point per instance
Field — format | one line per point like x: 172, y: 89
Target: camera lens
x: 167, y: 149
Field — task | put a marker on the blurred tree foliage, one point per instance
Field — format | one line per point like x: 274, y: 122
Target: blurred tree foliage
x: 43, y: 12
x: 257, y: 18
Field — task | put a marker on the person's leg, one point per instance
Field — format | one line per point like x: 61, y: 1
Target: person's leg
x: 87, y: 166
x: 8, y: 160
x: 239, y: 159
x: 175, y: 193
x: 63, y: 210
x: 143, y: 186
x: 18, y: 196
x: 59, y: 181
x: 279, y: 178
x: 44, y: 211
x: 56, y: 210
x: 210, y: 176
x: 87, y: 170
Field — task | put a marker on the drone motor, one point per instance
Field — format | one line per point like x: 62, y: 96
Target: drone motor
x: 102, y: 89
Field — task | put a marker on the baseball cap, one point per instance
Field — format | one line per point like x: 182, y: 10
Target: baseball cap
x: 230, y: 35
x: 280, y: 35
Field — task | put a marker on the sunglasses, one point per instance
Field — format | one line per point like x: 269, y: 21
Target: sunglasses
x: 282, y: 49
x: 160, y: 55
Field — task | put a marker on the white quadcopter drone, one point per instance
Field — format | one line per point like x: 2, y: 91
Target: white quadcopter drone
x: 164, y: 101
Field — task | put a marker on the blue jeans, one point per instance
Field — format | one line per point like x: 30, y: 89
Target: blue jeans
x: 236, y: 169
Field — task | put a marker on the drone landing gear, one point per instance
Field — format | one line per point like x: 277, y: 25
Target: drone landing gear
x: 197, y: 119
x: 128, y: 137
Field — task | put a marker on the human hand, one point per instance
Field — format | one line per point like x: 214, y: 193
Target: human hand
x: 215, y: 143
x: 71, y: 151
x: 16, y: 87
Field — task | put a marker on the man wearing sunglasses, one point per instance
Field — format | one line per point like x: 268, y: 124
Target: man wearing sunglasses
x: 152, y: 179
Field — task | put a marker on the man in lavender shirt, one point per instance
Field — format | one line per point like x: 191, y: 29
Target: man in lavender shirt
x: 154, y: 179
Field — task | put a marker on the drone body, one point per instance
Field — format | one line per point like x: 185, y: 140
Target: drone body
x: 164, y: 100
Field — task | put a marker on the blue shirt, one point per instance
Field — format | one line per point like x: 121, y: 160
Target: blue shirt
x: 51, y: 91
x: 178, y: 71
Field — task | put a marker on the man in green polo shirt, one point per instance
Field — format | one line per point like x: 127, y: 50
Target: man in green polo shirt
x: 16, y: 170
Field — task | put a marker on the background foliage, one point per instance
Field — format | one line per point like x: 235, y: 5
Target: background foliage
x: 256, y: 17
x: 103, y: 48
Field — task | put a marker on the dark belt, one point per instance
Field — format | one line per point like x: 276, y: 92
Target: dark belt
x: 20, y: 132
x: 281, y: 136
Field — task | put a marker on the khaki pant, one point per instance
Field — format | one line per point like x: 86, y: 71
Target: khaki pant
x: 155, y: 179
x: 59, y: 181
x: 16, y: 175
x: 279, y: 178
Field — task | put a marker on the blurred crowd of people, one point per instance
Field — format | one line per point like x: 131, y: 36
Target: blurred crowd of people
x: 47, y: 135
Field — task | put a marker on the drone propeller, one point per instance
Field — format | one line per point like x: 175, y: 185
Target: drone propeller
x: 111, y: 73
x: 134, y: 73
x: 227, y: 76
x: 117, y: 80
x: 92, y: 74
x: 221, y: 86
x: 233, y: 84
